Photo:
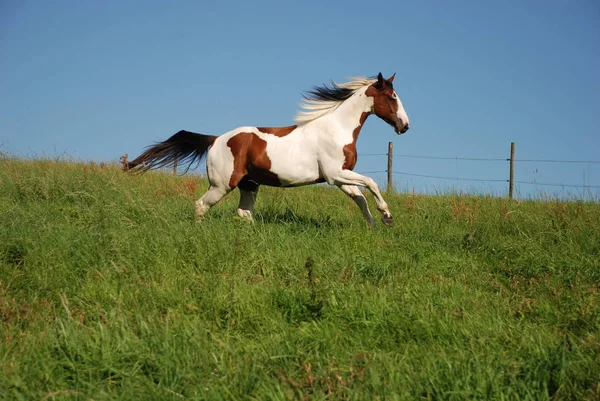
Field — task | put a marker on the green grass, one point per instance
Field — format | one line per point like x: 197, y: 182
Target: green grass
x: 110, y: 290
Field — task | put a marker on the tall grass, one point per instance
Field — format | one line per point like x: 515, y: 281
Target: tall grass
x: 110, y: 290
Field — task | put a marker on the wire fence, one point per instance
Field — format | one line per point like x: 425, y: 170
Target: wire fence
x: 511, y: 181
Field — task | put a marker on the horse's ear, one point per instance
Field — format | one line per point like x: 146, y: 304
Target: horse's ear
x: 391, y: 79
x: 380, y: 84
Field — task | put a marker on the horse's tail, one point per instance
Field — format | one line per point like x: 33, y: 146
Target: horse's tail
x: 183, y: 148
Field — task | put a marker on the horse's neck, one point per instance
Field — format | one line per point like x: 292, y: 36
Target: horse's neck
x: 351, y: 113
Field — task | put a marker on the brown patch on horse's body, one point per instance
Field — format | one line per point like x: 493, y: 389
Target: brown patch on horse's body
x: 278, y: 131
x: 350, y: 153
x: 250, y: 159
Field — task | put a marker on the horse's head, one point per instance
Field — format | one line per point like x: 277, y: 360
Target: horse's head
x: 387, y: 104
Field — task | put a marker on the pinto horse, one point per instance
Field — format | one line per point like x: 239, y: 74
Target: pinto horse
x: 321, y: 147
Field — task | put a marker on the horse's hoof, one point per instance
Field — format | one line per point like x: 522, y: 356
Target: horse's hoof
x: 387, y: 220
x: 246, y: 219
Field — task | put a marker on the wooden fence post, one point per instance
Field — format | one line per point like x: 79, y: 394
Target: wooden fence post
x: 511, y: 181
x: 175, y: 167
x: 124, y: 162
x: 390, y: 186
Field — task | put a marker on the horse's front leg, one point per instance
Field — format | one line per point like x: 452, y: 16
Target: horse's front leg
x: 357, y: 196
x: 348, y: 177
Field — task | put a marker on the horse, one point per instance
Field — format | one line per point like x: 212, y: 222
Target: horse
x: 320, y: 147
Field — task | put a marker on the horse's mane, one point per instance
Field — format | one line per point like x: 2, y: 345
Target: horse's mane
x: 323, y: 99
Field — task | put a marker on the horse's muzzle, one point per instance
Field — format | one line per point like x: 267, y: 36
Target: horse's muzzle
x: 402, y: 130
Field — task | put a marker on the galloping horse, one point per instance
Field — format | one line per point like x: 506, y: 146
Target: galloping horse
x: 321, y: 147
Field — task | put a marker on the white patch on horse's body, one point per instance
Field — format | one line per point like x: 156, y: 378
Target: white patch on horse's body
x: 219, y: 162
x: 336, y: 131
x: 293, y: 157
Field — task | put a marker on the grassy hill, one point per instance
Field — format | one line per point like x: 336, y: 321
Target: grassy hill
x: 110, y: 290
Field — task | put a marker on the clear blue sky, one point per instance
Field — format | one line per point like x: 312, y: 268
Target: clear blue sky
x: 94, y: 80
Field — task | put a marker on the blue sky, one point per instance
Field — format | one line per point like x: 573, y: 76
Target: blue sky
x: 93, y: 80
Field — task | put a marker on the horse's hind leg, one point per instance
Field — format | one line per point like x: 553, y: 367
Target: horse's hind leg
x: 248, y: 194
x: 210, y: 198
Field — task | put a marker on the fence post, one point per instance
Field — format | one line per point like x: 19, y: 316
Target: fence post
x: 175, y: 167
x: 389, y: 167
x: 124, y: 162
x: 511, y: 181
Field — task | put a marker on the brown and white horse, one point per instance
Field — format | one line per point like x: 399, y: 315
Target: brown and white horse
x: 321, y: 147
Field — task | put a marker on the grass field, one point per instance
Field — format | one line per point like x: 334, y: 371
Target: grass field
x: 110, y: 290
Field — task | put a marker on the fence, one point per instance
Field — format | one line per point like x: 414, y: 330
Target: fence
x: 511, y: 169
x: 511, y: 181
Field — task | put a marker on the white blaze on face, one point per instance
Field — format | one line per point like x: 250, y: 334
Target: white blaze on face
x: 401, y: 113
